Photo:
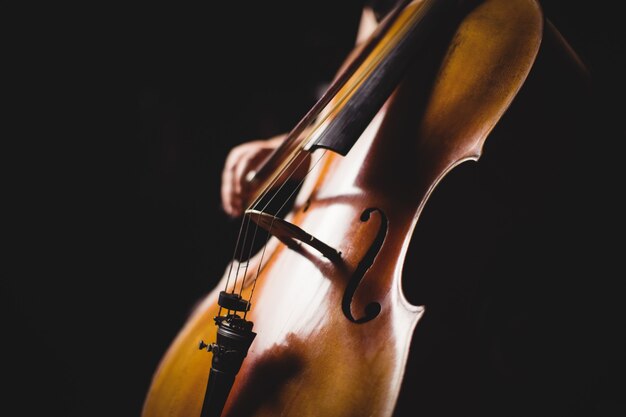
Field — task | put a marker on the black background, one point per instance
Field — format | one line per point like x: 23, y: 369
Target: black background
x: 122, y: 118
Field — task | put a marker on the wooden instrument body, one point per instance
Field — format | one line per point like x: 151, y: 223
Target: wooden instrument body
x: 314, y: 354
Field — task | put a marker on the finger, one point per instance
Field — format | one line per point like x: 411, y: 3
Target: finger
x: 240, y: 171
x: 229, y: 188
x: 237, y: 174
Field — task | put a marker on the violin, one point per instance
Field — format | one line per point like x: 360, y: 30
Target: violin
x: 317, y: 322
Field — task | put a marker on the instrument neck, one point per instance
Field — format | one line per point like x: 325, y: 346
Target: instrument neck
x: 344, y: 111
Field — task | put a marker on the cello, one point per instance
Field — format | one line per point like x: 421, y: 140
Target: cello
x: 316, y: 322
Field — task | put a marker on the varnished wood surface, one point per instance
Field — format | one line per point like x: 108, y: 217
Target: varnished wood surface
x: 308, y: 358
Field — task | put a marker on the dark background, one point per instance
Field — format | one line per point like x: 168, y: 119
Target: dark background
x: 122, y: 119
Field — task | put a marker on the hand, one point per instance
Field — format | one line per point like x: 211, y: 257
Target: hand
x: 240, y: 161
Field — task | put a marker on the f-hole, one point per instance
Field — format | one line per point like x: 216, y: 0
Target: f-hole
x: 372, y: 309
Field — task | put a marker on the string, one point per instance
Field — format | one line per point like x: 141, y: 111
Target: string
x: 263, y: 210
x: 230, y: 270
x: 266, y: 191
x: 272, y: 224
x: 247, y: 221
